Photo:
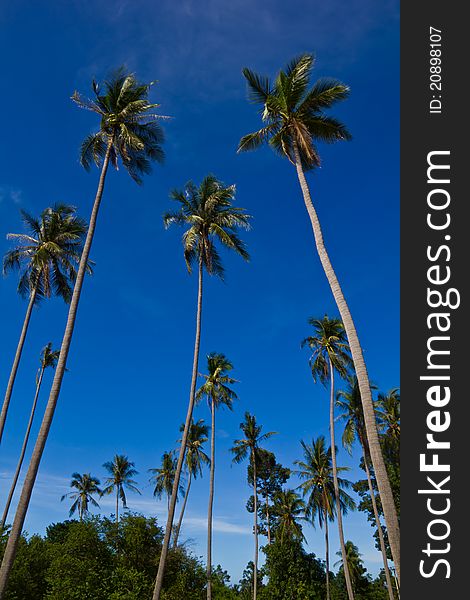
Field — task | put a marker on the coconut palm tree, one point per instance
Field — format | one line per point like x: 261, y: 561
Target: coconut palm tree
x: 388, y: 417
x: 354, y: 562
x: 85, y: 486
x: 48, y: 359
x: 316, y: 471
x: 294, y: 120
x: 330, y: 354
x: 289, y: 509
x: 121, y: 471
x: 195, y: 459
x: 46, y: 256
x: 349, y: 402
x: 129, y: 133
x: 209, y: 216
x: 164, y: 476
x: 218, y: 393
x: 248, y: 447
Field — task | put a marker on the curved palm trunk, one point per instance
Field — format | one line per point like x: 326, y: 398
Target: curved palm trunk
x: 23, y: 451
x: 339, y: 515
x: 327, y: 554
x: 255, y: 570
x: 16, y: 362
x: 211, y: 503
x: 23, y: 504
x: 378, y: 525
x: 183, y: 508
x: 179, y: 466
x: 383, y: 483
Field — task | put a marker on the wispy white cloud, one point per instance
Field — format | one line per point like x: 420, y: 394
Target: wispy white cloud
x: 9, y: 193
x: 219, y: 525
x: 50, y: 488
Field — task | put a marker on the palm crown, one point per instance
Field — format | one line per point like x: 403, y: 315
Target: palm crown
x: 208, y: 212
x: 216, y: 386
x: 316, y: 471
x: 164, y: 476
x: 128, y: 128
x: 47, y: 256
x: 293, y: 115
x: 249, y: 445
x: 388, y: 413
x: 49, y: 357
x: 195, y: 456
x: 121, y: 472
x: 350, y: 402
x: 289, y: 509
x: 329, y: 343
x: 85, y: 486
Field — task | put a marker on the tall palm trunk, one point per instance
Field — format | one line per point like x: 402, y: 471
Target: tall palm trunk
x: 16, y: 362
x: 23, y: 504
x: 183, y: 508
x: 211, y: 503
x: 327, y: 555
x: 179, y: 465
x: 255, y: 570
x: 23, y: 451
x: 383, y: 483
x: 377, y: 523
x: 339, y: 515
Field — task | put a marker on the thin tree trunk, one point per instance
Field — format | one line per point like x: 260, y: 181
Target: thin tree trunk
x: 327, y: 553
x: 255, y: 571
x: 267, y: 520
x: 211, y: 503
x: 377, y: 522
x: 16, y: 362
x: 339, y: 515
x: 117, y: 509
x: 179, y: 466
x: 183, y: 508
x: 383, y: 483
x: 23, y: 504
x: 23, y: 451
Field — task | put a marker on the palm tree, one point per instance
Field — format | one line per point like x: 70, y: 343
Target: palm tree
x: 46, y: 257
x: 85, y: 486
x: 289, y: 508
x: 354, y: 562
x: 294, y: 120
x: 48, y: 358
x: 349, y: 401
x: 316, y: 471
x: 121, y: 471
x: 248, y: 447
x: 218, y: 393
x: 330, y: 353
x: 195, y: 459
x: 128, y: 133
x: 388, y: 416
x: 209, y: 215
x: 164, y: 476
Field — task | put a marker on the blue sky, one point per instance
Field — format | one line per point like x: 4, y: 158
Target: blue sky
x: 129, y: 368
